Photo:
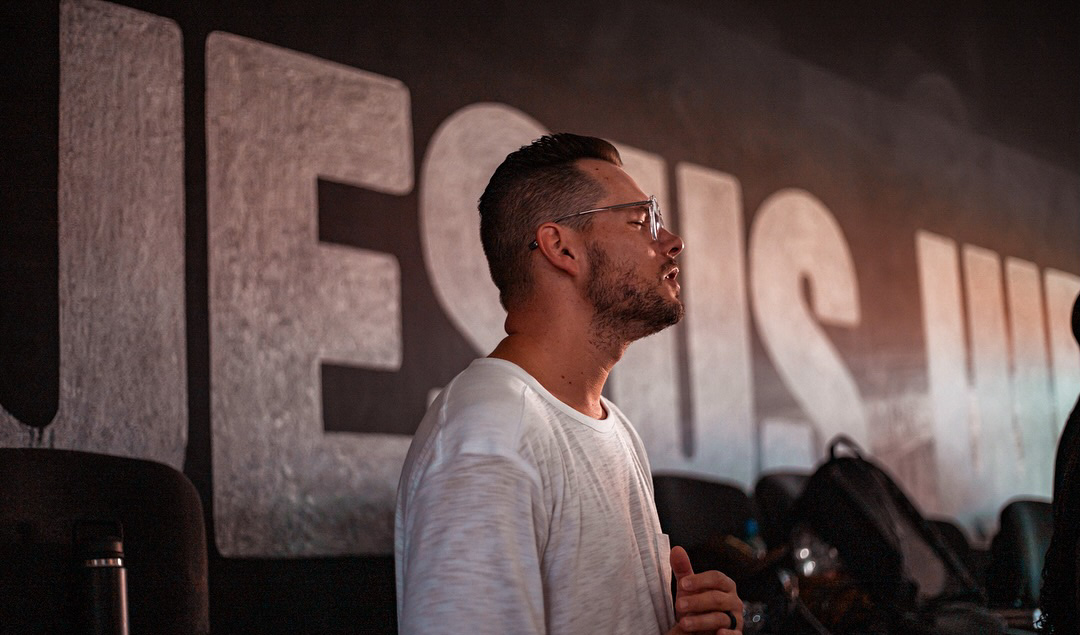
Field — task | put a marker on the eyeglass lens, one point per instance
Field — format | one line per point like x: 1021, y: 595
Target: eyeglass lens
x: 655, y: 220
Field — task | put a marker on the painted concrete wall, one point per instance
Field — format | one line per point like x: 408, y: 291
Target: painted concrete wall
x: 267, y: 257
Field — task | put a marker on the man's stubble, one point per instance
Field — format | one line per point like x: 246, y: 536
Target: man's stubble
x: 627, y: 306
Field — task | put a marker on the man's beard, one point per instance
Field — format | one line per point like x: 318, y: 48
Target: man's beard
x: 628, y: 307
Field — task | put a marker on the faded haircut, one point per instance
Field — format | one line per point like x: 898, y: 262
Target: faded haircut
x: 533, y: 185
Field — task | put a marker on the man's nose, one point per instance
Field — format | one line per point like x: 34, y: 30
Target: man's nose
x: 670, y: 243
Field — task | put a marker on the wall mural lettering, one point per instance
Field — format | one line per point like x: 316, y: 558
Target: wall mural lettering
x: 776, y: 298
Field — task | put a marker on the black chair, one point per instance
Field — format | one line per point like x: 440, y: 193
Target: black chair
x: 694, y: 510
x: 712, y: 521
x: 774, y: 494
x: 1017, y: 552
x: 975, y: 559
x: 49, y: 498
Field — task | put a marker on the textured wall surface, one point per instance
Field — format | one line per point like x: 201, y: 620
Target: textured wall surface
x: 123, y: 372
x: 241, y: 239
x: 281, y: 303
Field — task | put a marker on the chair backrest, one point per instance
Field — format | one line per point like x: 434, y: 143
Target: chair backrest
x: 774, y: 495
x: 45, y: 495
x: 1017, y: 553
x: 692, y: 510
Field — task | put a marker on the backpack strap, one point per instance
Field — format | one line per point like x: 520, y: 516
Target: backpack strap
x: 971, y: 589
x: 846, y: 441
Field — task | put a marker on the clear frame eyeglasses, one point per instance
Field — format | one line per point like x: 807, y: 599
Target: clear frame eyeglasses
x: 656, y: 221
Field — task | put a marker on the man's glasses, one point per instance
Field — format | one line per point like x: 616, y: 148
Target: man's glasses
x: 656, y: 221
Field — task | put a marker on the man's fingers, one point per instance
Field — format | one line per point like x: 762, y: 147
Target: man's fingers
x: 707, y: 601
x: 680, y: 563
x: 715, y: 621
x: 702, y: 581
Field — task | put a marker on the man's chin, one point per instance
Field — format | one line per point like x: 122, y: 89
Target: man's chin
x: 680, y: 313
x: 676, y: 310
x: 676, y: 315
x: 673, y: 314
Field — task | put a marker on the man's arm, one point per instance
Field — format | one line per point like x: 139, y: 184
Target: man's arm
x: 473, y: 563
x: 705, y: 602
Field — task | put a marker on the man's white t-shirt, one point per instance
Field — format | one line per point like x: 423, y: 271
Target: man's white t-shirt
x: 518, y: 514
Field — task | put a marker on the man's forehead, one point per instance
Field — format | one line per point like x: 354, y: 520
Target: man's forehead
x: 618, y: 186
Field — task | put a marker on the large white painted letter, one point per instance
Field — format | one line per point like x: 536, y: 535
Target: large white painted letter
x: 281, y: 303
x: 796, y: 238
x: 1033, y: 407
x: 717, y: 323
x: 996, y: 465
x: 460, y: 159
x: 123, y: 360
x: 943, y: 327
x: 645, y: 383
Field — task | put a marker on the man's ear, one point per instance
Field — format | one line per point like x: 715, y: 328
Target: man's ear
x: 562, y: 247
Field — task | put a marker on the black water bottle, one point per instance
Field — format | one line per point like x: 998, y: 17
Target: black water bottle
x: 103, y: 580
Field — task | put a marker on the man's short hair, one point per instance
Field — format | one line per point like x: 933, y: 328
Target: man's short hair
x: 533, y: 185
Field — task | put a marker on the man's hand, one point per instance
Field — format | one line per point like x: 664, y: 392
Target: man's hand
x: 705, y: 602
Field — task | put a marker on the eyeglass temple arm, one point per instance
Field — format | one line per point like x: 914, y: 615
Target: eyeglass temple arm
x: 603, y: 209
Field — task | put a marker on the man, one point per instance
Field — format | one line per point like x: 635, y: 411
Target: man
x: 525, y: 503
x: 1059, y: 597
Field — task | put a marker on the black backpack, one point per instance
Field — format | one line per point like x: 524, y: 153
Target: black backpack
x: 912, y: 578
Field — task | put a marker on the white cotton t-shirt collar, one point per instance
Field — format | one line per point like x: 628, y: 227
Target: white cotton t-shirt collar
x: 600, y: 425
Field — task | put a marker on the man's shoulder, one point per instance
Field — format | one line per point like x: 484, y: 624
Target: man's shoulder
x: 622, y: 423
x: 486, y: 385
x: 485, y: 409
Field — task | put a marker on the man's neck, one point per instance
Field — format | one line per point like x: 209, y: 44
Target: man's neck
x: 571, y: 368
